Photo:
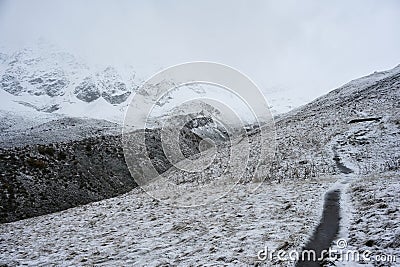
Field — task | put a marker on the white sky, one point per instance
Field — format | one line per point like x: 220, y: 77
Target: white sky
x: 305, y: 48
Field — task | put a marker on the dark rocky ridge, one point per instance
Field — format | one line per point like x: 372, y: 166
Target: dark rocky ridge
x: 17, y: 132
x: 44, y: 178
x: 40, y: 179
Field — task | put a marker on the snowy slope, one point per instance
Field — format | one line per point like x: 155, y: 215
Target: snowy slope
x: 136, y: 230
x: 309, y: 135
x: 374, y: 223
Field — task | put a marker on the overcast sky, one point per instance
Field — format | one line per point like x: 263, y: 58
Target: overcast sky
x: 309, y: 47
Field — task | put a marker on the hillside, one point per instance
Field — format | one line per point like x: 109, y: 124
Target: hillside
x: 309, y: 137
x: 347, y: 140
x: 312, y: 141
x: 68, y: 162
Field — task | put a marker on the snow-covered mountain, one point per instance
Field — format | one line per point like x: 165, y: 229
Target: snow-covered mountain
x: 48, y: 80
x: 42, y: 79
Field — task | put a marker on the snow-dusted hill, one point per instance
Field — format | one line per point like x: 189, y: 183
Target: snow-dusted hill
x: 309, y: 135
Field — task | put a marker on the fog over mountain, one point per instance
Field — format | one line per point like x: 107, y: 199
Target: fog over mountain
x: 302, y: 49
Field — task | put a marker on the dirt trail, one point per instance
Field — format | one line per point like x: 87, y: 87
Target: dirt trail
x: 328, y: 228
x: 339, y: 164
x: 326, y: 231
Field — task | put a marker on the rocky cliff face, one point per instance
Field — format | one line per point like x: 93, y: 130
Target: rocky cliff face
x: 106, y: 84
x: 45, y: 77
x: 57, y: 73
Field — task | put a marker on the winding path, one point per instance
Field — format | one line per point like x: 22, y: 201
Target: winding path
x: 328, y: 228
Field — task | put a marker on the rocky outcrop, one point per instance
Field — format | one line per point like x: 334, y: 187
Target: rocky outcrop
x: 51, y: 83
x: 114, y: 90
x: 11, y: 84
x: 87, y: 90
